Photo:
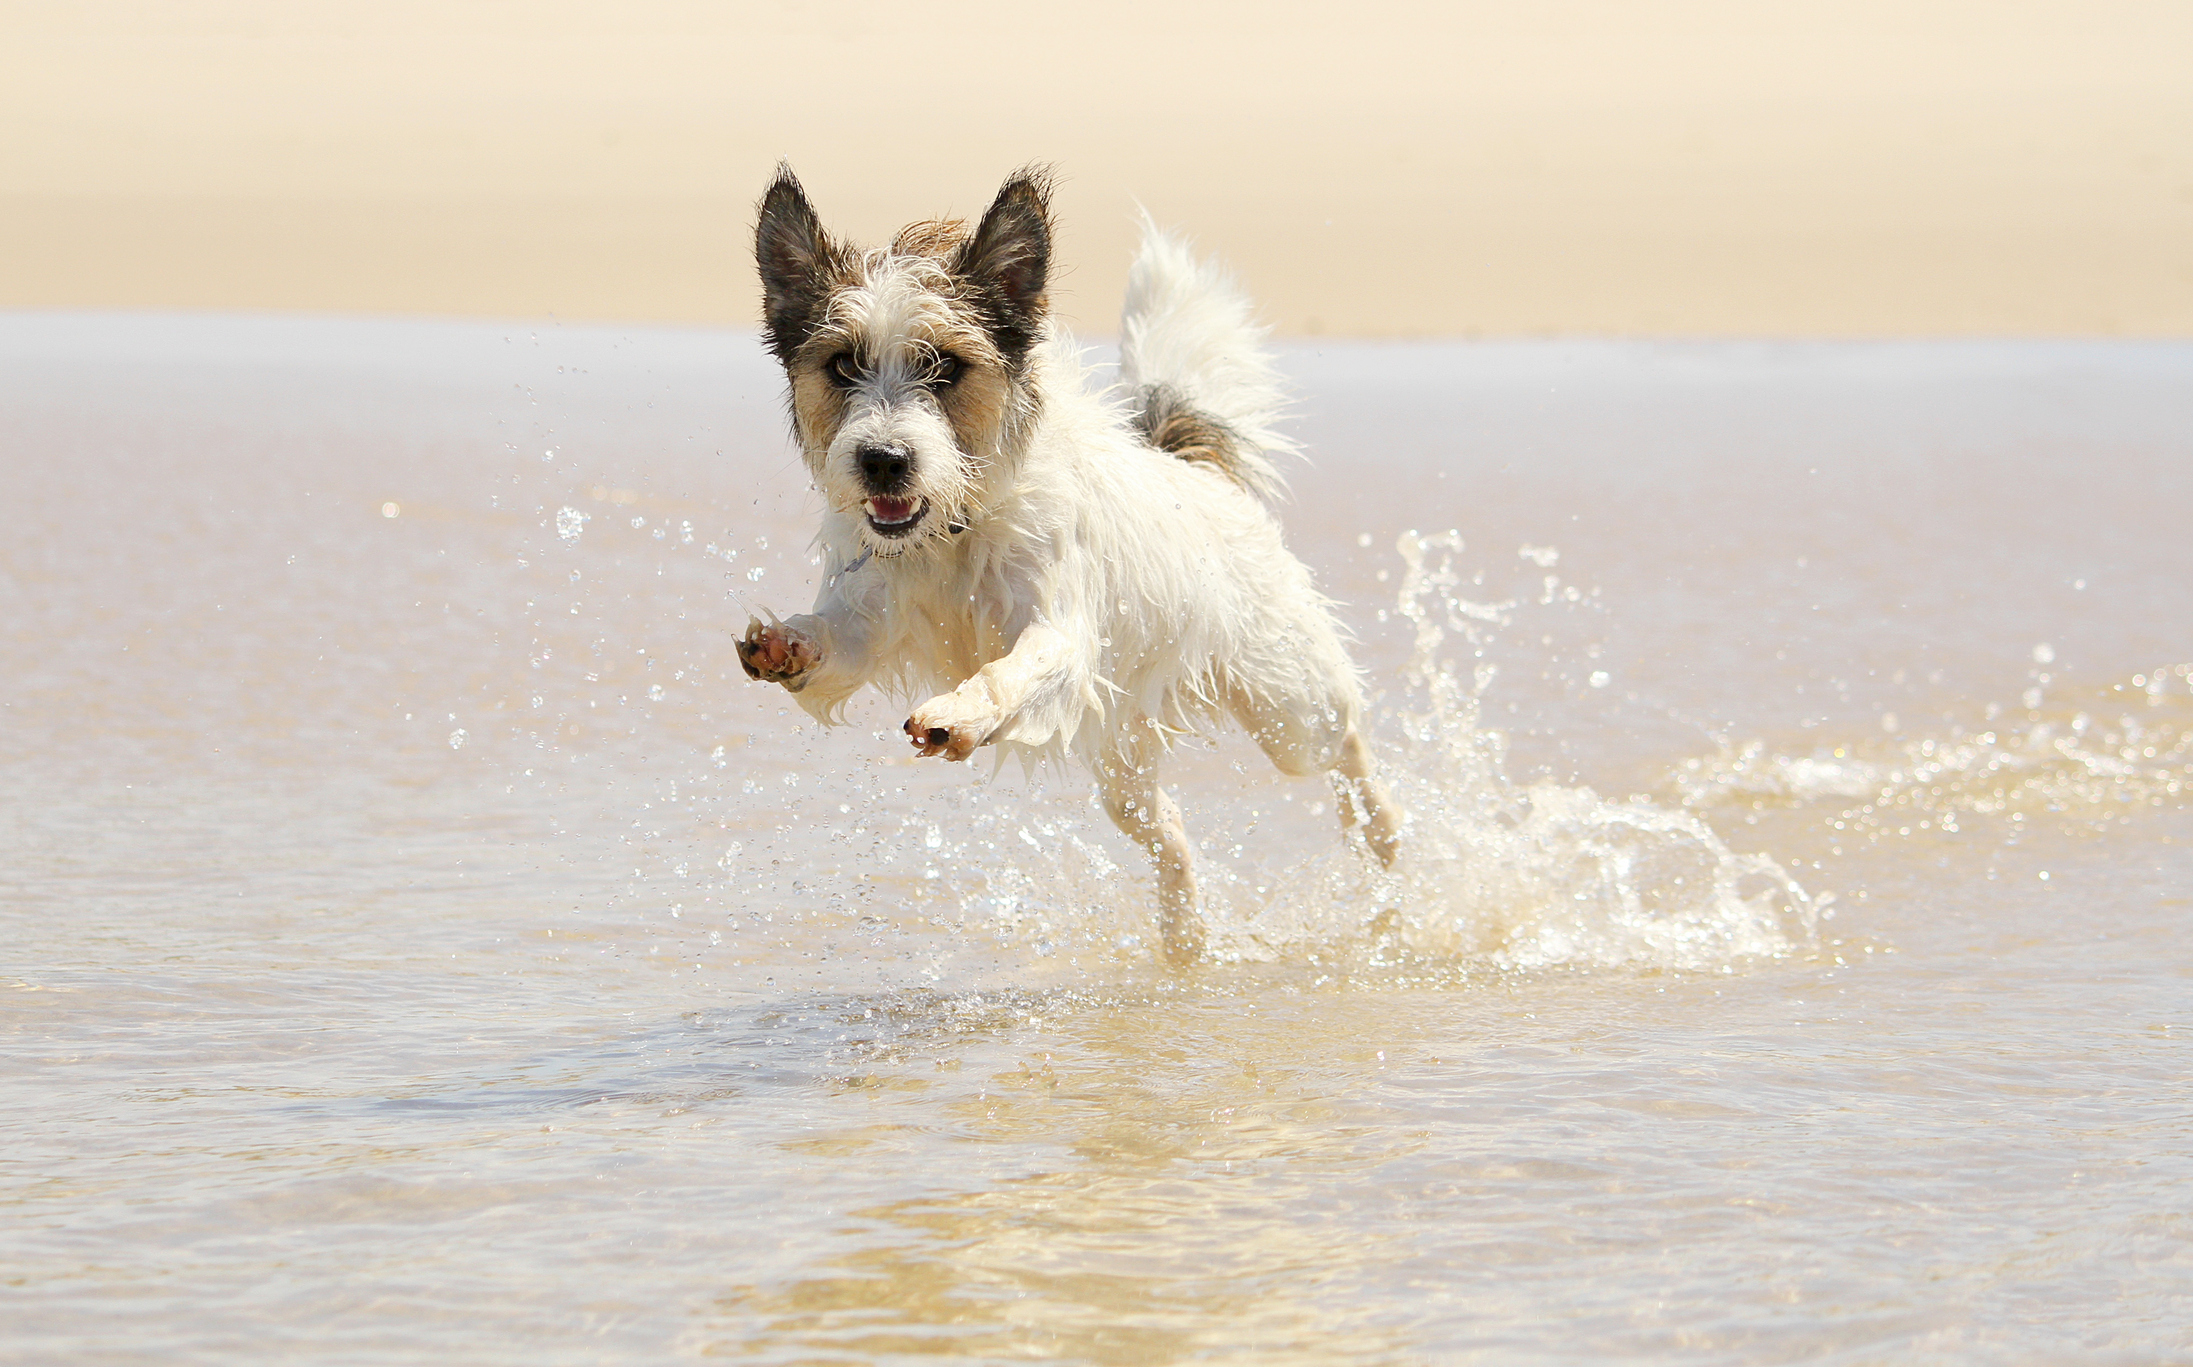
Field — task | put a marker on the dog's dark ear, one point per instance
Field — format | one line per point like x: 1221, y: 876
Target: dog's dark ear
x: 1007, y: 263
x: 798, y: 264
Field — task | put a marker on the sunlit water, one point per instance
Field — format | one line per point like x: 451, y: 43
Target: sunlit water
x: 424, y: 945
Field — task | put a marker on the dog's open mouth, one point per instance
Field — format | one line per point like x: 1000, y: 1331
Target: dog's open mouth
x: 895, y: 516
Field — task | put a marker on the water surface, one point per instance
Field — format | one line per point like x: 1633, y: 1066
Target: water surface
x: 423, y: 944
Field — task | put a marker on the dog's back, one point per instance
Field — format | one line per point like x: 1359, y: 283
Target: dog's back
x: 1193, y: 359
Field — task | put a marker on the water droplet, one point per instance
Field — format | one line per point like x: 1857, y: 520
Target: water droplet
x: 392, y: 510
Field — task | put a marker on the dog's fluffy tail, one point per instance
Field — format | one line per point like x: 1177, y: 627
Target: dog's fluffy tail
x: 1194, y: 363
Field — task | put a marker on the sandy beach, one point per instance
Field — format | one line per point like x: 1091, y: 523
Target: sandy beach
x: 1698, y: 168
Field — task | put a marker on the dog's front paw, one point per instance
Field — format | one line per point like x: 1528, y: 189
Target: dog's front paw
x: 775, y: 653
x: 951, y: 725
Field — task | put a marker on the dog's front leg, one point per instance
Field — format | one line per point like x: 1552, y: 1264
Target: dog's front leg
x: 821, y: 657
x: 1003, y: 701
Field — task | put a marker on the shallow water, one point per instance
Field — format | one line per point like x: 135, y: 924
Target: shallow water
x: 424, y: 945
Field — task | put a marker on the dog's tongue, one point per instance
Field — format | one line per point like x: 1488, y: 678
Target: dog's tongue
x: 891, y: 509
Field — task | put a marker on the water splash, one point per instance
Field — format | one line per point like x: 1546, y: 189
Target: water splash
x: 1526, y: 876
x: 1495, y: 875
x: 2085, y: 756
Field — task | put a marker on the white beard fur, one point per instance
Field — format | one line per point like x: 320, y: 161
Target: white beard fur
x: 1107, y: 595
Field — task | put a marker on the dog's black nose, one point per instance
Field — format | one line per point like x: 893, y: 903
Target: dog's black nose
x: 885, y: 466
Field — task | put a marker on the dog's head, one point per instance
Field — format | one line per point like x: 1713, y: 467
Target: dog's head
x: 910, y: 365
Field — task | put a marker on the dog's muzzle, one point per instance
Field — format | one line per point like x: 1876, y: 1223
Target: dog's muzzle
x: 886, y: 468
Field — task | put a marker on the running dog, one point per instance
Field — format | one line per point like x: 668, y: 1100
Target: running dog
x: 1066, y: 573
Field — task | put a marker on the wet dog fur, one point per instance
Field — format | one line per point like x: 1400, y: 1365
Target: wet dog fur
x: 1057, y: 571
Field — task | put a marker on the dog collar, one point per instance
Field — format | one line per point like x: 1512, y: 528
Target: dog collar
x: 865, y: 557
x: 955, y: 527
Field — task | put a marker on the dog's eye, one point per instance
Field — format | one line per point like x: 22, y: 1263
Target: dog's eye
x: 946, y: 372
x: 844, y: 369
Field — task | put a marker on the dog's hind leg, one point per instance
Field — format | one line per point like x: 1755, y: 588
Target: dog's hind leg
x: 1127, y: 781
x: 1356, y: 785
x: 1303, y: 736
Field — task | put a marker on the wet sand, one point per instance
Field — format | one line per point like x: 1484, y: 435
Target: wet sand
x: 424, y: 944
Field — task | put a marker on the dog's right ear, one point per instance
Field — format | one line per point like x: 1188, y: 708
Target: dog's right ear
x: 797, y: 261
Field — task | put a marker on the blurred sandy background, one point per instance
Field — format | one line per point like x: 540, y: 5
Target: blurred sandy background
x: 1588, y: 166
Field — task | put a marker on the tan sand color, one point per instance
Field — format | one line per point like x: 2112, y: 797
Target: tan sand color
x: 1699, y: 167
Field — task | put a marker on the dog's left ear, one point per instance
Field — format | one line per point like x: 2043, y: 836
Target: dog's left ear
x: 1007, y: 263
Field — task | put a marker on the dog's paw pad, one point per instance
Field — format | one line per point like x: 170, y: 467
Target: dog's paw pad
x: 774, y: 653
x: 957, y: 740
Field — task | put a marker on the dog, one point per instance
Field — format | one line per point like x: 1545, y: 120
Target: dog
x: 1066, y: 573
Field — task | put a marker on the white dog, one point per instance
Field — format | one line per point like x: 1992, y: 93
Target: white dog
x: 1064, y: 574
